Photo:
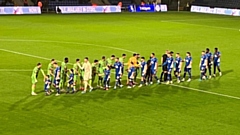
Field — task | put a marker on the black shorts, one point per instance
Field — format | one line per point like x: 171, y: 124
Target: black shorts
x: 164, y: 68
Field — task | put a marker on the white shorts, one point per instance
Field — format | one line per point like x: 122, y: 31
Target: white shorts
x: 87, y: 76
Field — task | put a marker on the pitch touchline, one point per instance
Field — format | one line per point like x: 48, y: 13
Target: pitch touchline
x: 64, y: 42
x: 34, y: 56
x: 15, y: 70
x: 235, y: 29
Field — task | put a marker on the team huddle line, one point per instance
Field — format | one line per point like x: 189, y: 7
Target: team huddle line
x: 60, y: 77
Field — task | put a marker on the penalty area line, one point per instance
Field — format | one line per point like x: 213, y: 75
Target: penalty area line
x: 193, y: 89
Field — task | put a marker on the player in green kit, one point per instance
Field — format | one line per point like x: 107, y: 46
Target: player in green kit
x: 34, y: 77
x: 63, y: 73
x: 81, y: 73
x: 76, y: 68
x: 94, y: 71
x: 50, y: 72
x: 101, y: 66
x: 110, y: 61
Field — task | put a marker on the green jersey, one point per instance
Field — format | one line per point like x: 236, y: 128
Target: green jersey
x: 101, y: 66
x: 81, y: 70
x: 109, y: 61
x: 50, y: 69
x: 121, y: 60
x: 94, y: 68
x: 63, y: 68
x: 36, y: 71
x: 76, y: 68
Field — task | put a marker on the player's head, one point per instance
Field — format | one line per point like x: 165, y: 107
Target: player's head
x: 134, y: 54
x: 71, y: 70
x: 86, y: 59
x: 112, y: 57
x: 77, y: 60
x: 117, y: 59
x: 103, y: 57
x: 203, y: 53
x: 138, y: 55
x: 188, y: 54
x: 39, y: 65
x: 171, y: 53
x: 52, y: 61
x: 152, y: 55
x: 124, y: 55
x: 142, y: 58
x: 216, y: 49
x: 207, y: 50
x: 167, y: 51
x: 96, y: 61
x: 108, y: 67
x: 47, y: 76
x: 177, y: 54
x: 66, y: 59
x: 55, y: 64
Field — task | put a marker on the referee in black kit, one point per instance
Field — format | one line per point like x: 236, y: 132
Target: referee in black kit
x: 164, y: 68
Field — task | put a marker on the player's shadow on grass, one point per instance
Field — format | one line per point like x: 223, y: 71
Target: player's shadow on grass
x: 18, y: 103
x: 213, y: 82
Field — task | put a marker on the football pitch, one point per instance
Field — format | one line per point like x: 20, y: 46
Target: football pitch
x: 210, y: 107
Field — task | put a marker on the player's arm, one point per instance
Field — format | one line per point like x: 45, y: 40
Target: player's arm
x: 165, y: 63
x: 190, y: 64
x: 156, y: 66
x: 132, y: 75
x: 180, y: 65
x: 205, y: 62
x: 145, y: 69
x: 120, y: 70
x: 58, y: 75
x: 43, y: 73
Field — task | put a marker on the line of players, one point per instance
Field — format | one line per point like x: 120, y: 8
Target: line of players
x: 57, y: 75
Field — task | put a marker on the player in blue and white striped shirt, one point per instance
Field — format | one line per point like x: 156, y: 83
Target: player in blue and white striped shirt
x: 188, y: 67
x: 203, y: 66
x: 169, y: 63
x: 216, y: 62
x: 118, y: 73
x: 178, y: 67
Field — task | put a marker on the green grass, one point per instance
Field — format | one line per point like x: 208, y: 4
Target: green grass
x: 153, y: 110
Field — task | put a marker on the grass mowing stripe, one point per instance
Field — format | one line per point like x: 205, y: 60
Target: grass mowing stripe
x: 193, y: 89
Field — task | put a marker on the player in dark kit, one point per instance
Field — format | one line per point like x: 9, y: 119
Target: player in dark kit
x: 118, y: 73
x: 209, y: 62
x: 164, y: 68
x: 203, y: 66
x: 154, y: 66
x: 148, y: 72
x: 169, y: 63
x: 57, y: 78
x: 216, y: 62
x: 178, y: 67
x: 188, y: 67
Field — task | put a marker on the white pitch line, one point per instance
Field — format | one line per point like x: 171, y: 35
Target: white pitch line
x: 208, y: 92
x: 65, y: 42
x: 193, y: 89
x: 215, y: 27
x: 15, y: 70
